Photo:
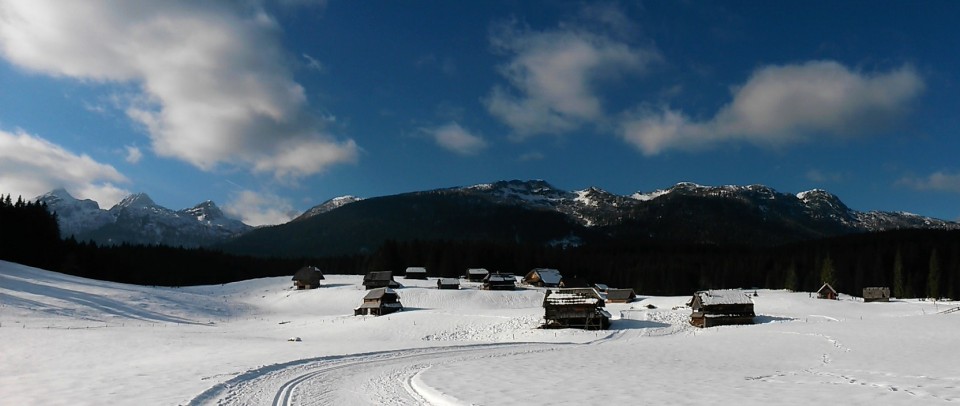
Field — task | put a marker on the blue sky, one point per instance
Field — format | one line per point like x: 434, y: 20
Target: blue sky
x: 271, y: 107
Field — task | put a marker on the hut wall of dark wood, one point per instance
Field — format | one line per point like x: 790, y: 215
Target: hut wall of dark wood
x: 575, y: 308
x: 876, y: 294
x: 719, y: 308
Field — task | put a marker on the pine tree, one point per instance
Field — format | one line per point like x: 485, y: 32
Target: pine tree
x: 827, y: 273
x: 898, y: 291
x: 933, y: 277
x: 791, y: 281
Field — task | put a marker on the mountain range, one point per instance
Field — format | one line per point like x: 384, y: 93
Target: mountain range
x: 526, y: 212
x: 535, y: 212
x: 138, y: 220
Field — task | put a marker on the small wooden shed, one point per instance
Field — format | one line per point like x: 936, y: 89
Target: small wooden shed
x: 499, y: 281
x: 621, y: 295
x: 575, y: 308
x: 542, y: 277
x: 876, y: 294
x: 448, y: 283
x: 308, y: 277
x: 378, y: 302
x: 415, y: 272
x: 379, y: 279
x: 827, y: 292
x: 721, y: 307
x: 476, y: 274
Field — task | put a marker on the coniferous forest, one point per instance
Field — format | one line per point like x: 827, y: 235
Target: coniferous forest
x: 913, y: 263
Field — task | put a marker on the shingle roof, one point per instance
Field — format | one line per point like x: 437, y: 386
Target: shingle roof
x: 726, y: 296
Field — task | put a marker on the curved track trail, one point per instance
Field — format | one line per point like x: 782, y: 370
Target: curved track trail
x: 383, y: 378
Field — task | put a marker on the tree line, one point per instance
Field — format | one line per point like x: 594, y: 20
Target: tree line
x: 913, y: 263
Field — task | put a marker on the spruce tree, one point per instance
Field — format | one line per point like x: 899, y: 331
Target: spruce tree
x: 791, y: 280
x: 933, y: 277
x: 827, y: 273
x: 898, y: 290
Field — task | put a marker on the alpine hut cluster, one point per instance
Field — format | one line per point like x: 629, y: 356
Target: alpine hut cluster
x: 721, y: 307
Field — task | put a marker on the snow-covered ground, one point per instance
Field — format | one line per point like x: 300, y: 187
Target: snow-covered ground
x: 71, y: 341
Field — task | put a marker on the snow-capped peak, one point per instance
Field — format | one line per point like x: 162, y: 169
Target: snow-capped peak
x: 335, y: 203
x: 137, y: 200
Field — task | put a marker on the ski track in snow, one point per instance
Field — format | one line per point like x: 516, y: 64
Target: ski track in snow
x: 384, y: 378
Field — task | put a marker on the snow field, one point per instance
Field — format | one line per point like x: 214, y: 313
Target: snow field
x: 69, y: 341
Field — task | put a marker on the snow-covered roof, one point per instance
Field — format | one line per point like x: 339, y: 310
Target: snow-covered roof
x: 477, y: 271
x: 723, y: 297
x: 449, y: 281
x: 547, y: 275
x: 501, y: 277
x: 416, y: 269
x: 572, y: 296
x: 379, y: 293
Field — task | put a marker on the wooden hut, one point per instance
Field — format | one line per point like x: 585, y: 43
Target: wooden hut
x: 379, y: 279
x: 600, y: 287
x: 876, y: 294
x: 721, y: 307
x: 827, y: 292
x: 476, y: 274
x: 542, y: 277
x: 308, y: 277
x: 378, y: 302
x: 448, y: 283
x: 499, y: 281
x: 415, y: 272
x: 575, y: 308
x: 621, y: 295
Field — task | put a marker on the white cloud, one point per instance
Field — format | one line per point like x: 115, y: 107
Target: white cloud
x: 457, y: 139
x: 31, y: 166
x: 784, y: 104
x: 937, y: 181
x: 214, y: 86
x: 553, y: 76
x: 258, y: 209
x: 313, y: 63
x: 133, y: 154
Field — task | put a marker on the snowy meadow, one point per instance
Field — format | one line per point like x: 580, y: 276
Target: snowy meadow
x: 75, y: 341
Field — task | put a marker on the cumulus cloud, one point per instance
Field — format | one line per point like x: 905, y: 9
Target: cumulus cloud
x: 134, y: 155
x: 937, y: 181
x: 214, y: 87
x: 259, y: 209
x: 31, y: 166
x: 457, y: 139
x: 554, y: 74
x: 783, y: 104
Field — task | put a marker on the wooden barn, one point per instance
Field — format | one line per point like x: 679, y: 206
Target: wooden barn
x: 876, y: 294
x: 499, y: 281
x: 476, y: 274
x: 621, y: 295
x: 575, y: 308
x: 378, y: 302
x: 379, y: 279
x: 308, y: 277
x: 827, y: 292
x: 542, y: 277
x: 721, y: 307
x: 415, y: 272
x: 448, y: 283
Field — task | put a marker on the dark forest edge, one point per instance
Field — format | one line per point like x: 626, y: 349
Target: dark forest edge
x: 913, y: 263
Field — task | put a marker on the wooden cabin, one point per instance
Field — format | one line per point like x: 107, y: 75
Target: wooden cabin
x: 876, y: 294
x: 542, y: 277
x: 415, y: 272
x: 721, y: 307
x: 476, y: 274
x: 448, y: 283
x: 827, y: 292
x: 621, y: 295
x: 575, y: 308
x: 499, y: 281
x: 378, y: 302
x: 308, y: 277
x: 379, y: 279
